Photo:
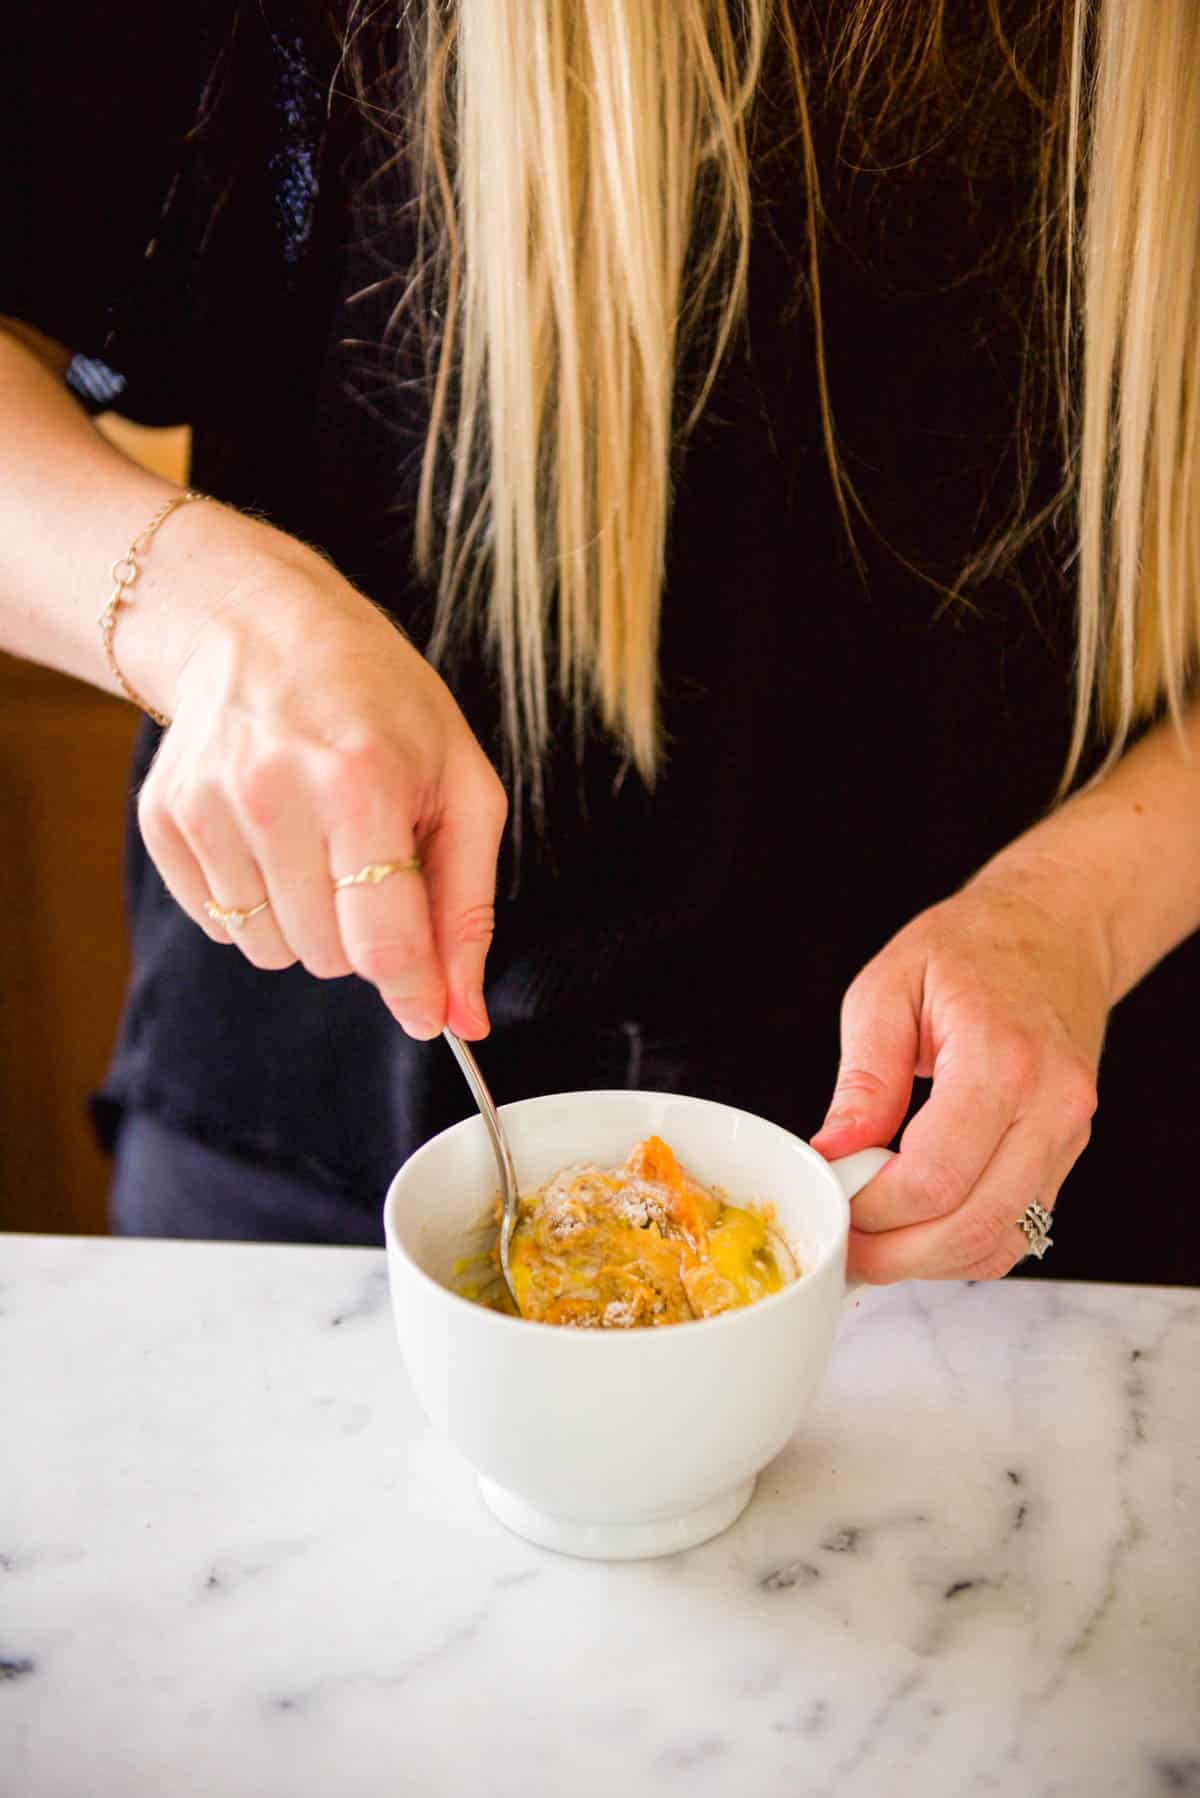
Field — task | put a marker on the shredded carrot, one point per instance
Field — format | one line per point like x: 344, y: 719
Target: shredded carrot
x: 642, y: 1244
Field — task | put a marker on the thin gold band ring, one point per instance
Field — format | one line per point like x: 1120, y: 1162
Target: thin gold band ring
x: 374, y: 872
x: 234, y: 917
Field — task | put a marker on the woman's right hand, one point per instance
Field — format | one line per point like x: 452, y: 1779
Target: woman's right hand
x: 309, y: 739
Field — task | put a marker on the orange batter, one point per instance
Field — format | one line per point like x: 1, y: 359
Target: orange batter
x: 642, y: 1244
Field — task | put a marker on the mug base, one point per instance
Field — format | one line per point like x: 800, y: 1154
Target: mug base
x: 616, y: 1541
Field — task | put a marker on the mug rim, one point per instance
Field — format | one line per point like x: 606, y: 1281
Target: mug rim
x: 735, y: 1316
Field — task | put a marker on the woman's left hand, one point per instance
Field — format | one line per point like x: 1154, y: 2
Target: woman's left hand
x: 1001, y: 995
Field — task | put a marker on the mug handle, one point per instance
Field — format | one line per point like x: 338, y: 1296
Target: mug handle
x: 852, y: 1173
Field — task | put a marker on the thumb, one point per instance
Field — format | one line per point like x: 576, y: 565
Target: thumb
x: 880, y: 1038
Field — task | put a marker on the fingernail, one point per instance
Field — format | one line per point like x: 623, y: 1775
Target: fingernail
x: 838, y: 1120
x: 421, y: 1029
x: 477, y: 1008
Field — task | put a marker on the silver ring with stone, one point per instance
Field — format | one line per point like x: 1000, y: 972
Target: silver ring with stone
x: 1034, y: 1224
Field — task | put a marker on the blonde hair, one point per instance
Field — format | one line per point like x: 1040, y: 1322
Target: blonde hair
x: 582, y: 169
x: 1135, y: 107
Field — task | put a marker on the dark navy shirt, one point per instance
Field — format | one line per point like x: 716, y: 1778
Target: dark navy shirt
x: 183, y: 205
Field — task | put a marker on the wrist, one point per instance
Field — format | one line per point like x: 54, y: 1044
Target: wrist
x: 209, y: 564
x: 125, y: 573
x: 1067, y: 893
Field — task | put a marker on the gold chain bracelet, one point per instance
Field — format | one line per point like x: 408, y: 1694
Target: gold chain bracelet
x: 123, y: 573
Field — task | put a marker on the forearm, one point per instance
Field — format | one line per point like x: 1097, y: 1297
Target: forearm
x: 1123, y: 858
x: 70, y: 503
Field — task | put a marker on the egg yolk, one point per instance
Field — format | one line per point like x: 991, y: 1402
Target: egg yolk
x: 642, y: 1244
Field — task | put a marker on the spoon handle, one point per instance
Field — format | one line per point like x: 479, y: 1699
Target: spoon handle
x: 473, y: 1075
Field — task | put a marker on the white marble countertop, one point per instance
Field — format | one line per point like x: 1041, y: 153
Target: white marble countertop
x: 235, y: 1561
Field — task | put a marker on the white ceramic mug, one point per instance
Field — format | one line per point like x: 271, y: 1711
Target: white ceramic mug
x: 618, y: 1443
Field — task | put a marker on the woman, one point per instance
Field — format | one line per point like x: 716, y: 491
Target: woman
x: 681, y: 375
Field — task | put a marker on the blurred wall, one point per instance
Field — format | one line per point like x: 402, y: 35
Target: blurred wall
x: 64, y: 757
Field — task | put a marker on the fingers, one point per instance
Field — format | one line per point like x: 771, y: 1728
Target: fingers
x: 989, y: 996
x: 982, y: 1239
x: 460, y: 874
x: 283, y: 831
x: 232, y: 876
x: 880, y: 1040
x: 1013, y: 1247
x: 214, y: 864
x: 285, y: 827
x: 310, y: 740
x: 388, y: 938
x: 177, y: 866
x: 979, y: 1087
x: 386, y: 929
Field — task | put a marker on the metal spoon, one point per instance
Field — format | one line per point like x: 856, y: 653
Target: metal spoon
x: 504, y: 1161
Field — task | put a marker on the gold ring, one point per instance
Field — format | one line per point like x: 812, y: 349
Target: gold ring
x: 374, y: 872
x: 234, y: 918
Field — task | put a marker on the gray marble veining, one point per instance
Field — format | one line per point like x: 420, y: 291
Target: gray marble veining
x: 235, y: 1560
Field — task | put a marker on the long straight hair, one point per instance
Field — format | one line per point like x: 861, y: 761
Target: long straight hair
x: 582, y: 172
x: 1135, y: 154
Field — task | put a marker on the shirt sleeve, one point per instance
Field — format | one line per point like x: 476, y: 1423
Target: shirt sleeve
x: 94, y: 135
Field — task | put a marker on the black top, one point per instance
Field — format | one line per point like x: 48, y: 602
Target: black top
x: 845, y: 747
